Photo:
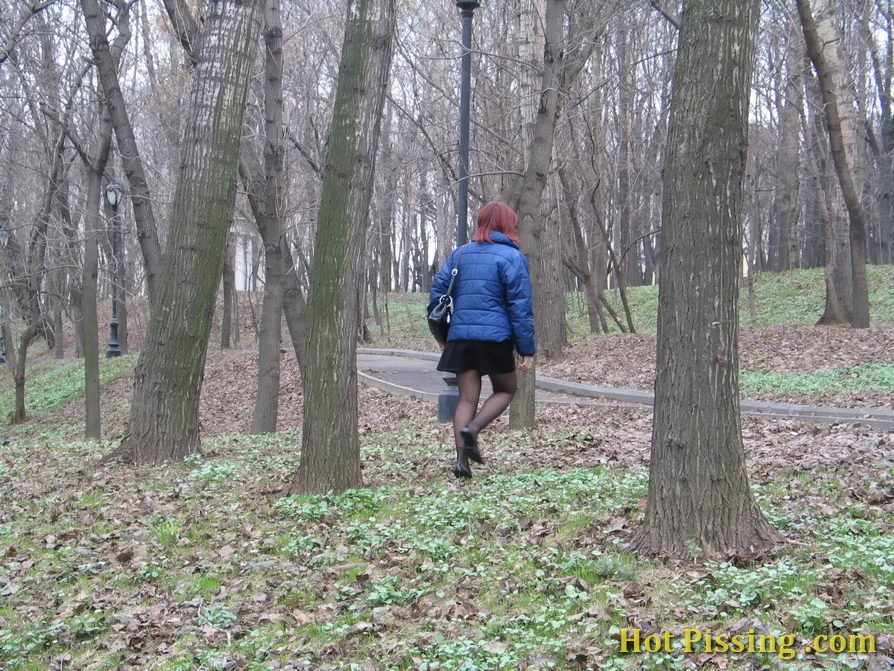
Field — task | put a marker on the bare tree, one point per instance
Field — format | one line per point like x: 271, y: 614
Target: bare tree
x: 698, y: 488
x: 330, y: 449
x: 140, y: 195
x: 822, y: 45
x: 564, y: 55
x: 164, y: 412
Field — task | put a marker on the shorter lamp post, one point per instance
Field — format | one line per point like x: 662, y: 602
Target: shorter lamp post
x: 113, y: 196
x: 448, y: 398
x: 4, y: 240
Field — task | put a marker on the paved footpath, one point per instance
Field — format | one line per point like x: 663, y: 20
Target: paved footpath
x: 411, y: 373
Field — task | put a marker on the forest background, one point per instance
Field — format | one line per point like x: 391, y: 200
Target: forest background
x: 95, y: 94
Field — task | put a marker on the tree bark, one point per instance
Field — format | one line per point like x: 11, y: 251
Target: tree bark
x: 92, y: 409
x: 295, y: 309
x: 885, y: 179
x: 27, y: 284
x: 121, y: 293
x: 788, y: 206
x: 95, y: 167
x: 269, y: 211
x: 524, y: 192
x: 822, y: 46
x: 524, y: 196
x: 229, y: 282
x: 140, y: 196
x: 18, y: 412
x: 699, y: 497
x: 578, y: 262
x: 330, y: 447
x: 628, y: 271
x: 164, y: 412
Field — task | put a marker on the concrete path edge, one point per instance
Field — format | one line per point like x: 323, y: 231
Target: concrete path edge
x: 877, y: 417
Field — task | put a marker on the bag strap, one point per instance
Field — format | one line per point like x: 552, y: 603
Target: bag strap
x: 455, y: 271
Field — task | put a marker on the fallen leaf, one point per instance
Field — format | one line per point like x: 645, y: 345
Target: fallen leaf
x: 9, y: 589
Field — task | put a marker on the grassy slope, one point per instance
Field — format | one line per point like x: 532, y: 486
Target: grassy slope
x: 795, y: 297
x: 51, y: 383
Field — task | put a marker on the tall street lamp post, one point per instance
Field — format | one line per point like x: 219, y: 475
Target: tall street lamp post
x: 449, y: 398
x: 113, y: 196
x: 4, y: 239
x: 467, y: 8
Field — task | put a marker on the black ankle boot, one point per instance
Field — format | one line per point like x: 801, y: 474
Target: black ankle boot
x: 471, y: 443
x: 461, y: 467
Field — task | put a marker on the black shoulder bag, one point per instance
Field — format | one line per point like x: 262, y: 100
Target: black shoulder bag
x: 441, y: 314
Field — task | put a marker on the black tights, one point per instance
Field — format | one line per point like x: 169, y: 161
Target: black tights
x: 504, y: 385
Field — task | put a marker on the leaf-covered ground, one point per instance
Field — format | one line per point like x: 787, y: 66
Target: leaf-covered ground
x: 206, y: 565
x: 810, y: 365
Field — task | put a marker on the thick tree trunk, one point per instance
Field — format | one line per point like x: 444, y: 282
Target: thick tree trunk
x: 822, y: 46
x: 330, y: 447
x: 699, y: 497
x: 164, y: 412
x: 828, y: 242
x: 266, y: 408
x: 524, y: 194
x: 21, y: 356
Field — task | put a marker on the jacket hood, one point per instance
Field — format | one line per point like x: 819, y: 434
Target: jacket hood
x: 502, y: 238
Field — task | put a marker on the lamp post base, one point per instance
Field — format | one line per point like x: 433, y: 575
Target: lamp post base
x: 448, y: 399
x: 114, y: 348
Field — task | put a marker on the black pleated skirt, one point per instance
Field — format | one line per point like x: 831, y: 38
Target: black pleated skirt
x: 484, y: 356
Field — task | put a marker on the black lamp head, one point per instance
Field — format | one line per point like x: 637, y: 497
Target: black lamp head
x: 113, y: 194
x: 468, y: 5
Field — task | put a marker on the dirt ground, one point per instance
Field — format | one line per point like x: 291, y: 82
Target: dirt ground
x: 622, y: 435
x: 622, y: 361
x: 628, y: 361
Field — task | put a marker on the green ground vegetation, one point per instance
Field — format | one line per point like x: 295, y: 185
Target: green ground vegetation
x: 793, y: 297
x: 50, y: 385
x: 205, y: 565
x: 852, y: 380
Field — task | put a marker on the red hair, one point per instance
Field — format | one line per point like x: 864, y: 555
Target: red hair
x: 499, y: 217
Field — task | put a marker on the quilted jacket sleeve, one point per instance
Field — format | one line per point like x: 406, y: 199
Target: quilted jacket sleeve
x: 517, y: 282
x: 440, y: 282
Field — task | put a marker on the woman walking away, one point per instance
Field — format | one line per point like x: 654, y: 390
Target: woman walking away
x: 492, y: 316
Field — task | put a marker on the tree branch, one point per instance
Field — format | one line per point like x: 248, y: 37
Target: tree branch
x: 671, y: 19
x: 184, y: 25
x: 13, y: 36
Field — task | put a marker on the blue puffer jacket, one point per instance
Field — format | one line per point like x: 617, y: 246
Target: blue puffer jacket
x: 492, y: 294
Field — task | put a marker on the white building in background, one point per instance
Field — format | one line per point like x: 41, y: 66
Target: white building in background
x: 249, y: 259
